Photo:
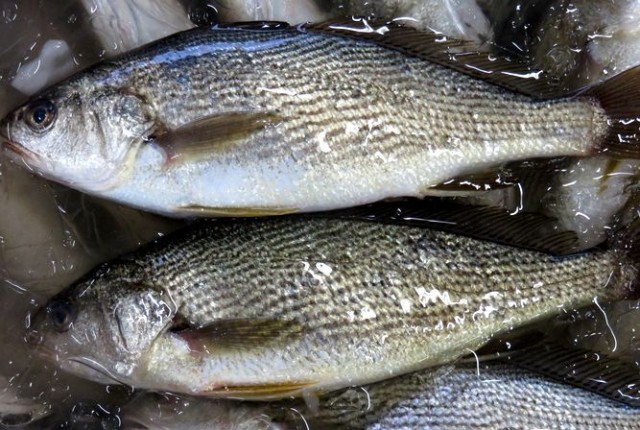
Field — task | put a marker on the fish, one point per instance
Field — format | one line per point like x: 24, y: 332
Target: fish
x: 267, y: 119
x: 304, y: 305
x: 487, y: 396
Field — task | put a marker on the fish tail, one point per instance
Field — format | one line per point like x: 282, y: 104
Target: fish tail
x: 620, y: 99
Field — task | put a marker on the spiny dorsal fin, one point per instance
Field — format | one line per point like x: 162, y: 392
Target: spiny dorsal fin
x: 463, y: 56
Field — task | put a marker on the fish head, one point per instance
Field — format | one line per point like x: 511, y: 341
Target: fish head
x: 100, y: 327
x: 80, y: 134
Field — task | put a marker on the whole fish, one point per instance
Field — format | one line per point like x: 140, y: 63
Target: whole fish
x: 296, y: 306
x: 244, y: 121
x: 494, y: 396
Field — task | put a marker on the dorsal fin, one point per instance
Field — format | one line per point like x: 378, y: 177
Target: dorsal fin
x: 463, y: 56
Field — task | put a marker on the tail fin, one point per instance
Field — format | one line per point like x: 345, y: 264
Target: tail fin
x: 620, y: 98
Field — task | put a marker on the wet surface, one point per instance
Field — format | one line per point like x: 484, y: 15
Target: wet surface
x: 51, y: 235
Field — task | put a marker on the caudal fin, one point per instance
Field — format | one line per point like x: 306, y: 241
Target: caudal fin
x: 620, y: 98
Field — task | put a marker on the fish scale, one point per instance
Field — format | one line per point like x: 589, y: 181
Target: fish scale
x: 495, y: 396
x: 316, y: 306
x: 338, y: 120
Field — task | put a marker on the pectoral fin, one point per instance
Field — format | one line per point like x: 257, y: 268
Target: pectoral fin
x: 238, y: 334
x: 205, y: 136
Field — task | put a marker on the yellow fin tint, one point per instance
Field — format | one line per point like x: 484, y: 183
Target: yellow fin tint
x: 262, y: 391
x: 206, y: 136
x: 240, y: 212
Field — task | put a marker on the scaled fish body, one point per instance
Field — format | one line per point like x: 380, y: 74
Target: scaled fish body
x: 494, y: 396
x: 292, y: 306
x: 232, y: 121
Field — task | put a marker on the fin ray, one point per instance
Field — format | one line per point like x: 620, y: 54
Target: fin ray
x: 201, y: 137
x: 240, y: 212
x: 261, y: 391
x: 463, y: 56
x: 619, y: 96
x: 237, y: 333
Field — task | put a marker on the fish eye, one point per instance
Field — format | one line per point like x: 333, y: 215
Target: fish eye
x: 62, y: 314
x: 40, y: 114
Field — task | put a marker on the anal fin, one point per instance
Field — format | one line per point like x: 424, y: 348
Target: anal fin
x: 262, y: 391
x: 239, y: 212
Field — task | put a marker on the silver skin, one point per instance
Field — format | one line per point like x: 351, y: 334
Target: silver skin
x: 300, y: 306
x: 327, y: 121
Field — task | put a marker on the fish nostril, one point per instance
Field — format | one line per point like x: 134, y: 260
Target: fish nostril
x: 33, y: 337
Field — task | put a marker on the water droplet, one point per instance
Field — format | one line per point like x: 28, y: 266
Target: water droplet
x: 203, y: 15
x: 10, y: 12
